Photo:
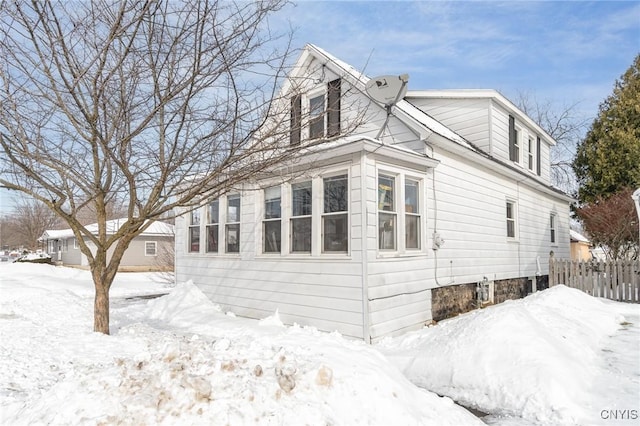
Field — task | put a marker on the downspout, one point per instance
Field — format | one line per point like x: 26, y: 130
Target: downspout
x: 366, y: 323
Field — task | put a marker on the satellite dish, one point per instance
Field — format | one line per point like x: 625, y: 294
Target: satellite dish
x: 387, y: 89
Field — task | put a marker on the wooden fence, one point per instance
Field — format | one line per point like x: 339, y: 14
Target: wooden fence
x: 615, y: 280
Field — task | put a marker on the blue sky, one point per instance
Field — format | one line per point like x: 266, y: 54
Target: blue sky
x: 564, y: 52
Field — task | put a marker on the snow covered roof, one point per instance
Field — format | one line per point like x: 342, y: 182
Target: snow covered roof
x: 576, y: 236
x: 155, y: 229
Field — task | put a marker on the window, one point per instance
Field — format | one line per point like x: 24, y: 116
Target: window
x: 194, y: 231
x: 316, y: 117
x: 213, y: 221
x: 511, y: 219
x: 75, y: 244
x: 530, y: 154
x: 271, y: 225
x: 335, y: 218
x: 150, y: 248
x: 412, y: 214
x: 514, y: 144
x: 323, y: 114
x: 386, y: 213
x: 301, y: 217
x: 552, y: 227
x: 296, y: 120
x: 538, y: 159
x: 232, y: 226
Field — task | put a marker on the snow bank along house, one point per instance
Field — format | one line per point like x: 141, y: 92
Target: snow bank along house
x: 147, y: 252
x: 433, y: 206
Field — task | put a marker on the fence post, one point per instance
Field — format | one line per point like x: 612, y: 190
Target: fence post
x: 552, y: 270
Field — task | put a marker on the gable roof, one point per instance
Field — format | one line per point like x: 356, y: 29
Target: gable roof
x: 494, y: 95
x: 423, y: 125
x: 155, y: 229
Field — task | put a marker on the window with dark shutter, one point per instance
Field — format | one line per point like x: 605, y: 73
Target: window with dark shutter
x: 333, y: 108
x: 538, y: 162
x: 513, y: 140
x: 296, y: 120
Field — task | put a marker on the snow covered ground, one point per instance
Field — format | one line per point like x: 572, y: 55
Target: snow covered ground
x: 556, y: 357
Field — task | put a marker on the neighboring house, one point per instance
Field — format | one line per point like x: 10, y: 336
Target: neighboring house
x: 147, y: 252
x: 407, y: 220
x: 580, y: 246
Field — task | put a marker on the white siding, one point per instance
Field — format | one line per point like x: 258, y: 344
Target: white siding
x: 324, y: 291
x: 467, y: 117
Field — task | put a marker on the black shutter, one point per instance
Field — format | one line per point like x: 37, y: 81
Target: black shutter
x: 333, y: 108
x: 512, y: 139
x: 296, y: 120
x: 538, y: 160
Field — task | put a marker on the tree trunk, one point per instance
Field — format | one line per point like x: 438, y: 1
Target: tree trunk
x: 101, y: 309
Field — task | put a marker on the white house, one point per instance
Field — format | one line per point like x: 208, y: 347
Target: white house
x: 148, y: 251
x: 429, y: 205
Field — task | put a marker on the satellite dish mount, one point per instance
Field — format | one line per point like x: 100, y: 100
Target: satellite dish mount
x: 387, y: 90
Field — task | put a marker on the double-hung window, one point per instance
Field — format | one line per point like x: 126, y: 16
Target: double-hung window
x: 511, y: 219
x: 271, y: 225
x: 232, y: 225
x: 316, y: 117
x: 301, y: 211
x: 552, y: 228
x: 387, y: 216
x: 194, y: 231
x: 213, y: 225
x: 514, y: 141
x: 150, y: 248
x: 530, y: 154
x: 323, y: 113
x: 335, y: 218
x: 412, y: 214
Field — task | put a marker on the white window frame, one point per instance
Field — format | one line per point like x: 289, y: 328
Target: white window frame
x: 345, y: 213
x: 401, y: 176
x: 518, y: 144
x: 270, y: 220
x: 553, y: 229
x: 155, y: 248
x: 209, y: 224
x: 228, y: 223
x: 531, y: 154
x: 75, y: 244
x: 513, y: 219
x: 190, y: 225
x: 291, y: 218
x: 417, y: 214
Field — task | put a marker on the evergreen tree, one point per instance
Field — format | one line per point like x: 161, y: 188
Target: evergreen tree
x: 608, y: 159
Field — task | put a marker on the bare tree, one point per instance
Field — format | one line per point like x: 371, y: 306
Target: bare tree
x: 566, y: 127
x: 158, y: 103
x: 30, y: 219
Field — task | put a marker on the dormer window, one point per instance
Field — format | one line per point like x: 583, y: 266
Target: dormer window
x: 323, y: 113
x: 514, y: 142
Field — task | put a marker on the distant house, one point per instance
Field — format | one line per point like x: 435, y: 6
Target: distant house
x: 148, y: 251
x: 432, y: 207
x: 580, y: 246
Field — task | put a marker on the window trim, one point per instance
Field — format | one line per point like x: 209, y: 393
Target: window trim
x: 228, y: 223
x: 196, y: 227
x: 210, y: 224
x: 293, y: 217
x: 514, y: 219
x: 345, y: 213
x: 402, y: 175
x: 155, y: 249
x: 553, y: 229
x: 265, y: 220
x: 530, y: 156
